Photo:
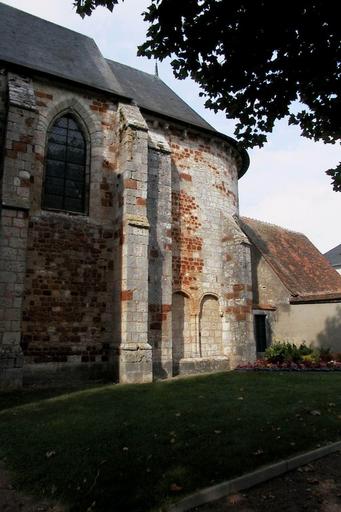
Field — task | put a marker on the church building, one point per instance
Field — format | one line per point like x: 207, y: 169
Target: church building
x: 121, y: 255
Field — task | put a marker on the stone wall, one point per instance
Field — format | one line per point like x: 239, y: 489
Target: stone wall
x: 64, y: 318
x: 210, y: 342
x: 67, y: 312
x: 153, y: 279
x: 3, y: 106
x: 268, y: 290
x: 131, y: 306
x: 160, y: 254
x: 17, y: 166
x: 210, y: 254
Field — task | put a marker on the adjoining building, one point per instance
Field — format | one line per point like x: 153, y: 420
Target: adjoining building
x: 334, y: 257
x: 296, y: 292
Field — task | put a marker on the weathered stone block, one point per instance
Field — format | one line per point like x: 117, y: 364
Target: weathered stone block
x: 193, y: 366
x: 135, y: 363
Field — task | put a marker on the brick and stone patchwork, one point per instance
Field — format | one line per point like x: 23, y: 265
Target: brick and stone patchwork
x: 68, y: 288
x: 156, y: 273
x: 204, y: 201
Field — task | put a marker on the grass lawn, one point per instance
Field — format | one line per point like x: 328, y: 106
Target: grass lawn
x: 133, y: 448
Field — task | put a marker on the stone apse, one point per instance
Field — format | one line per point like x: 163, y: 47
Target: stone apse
x: 151, y: 277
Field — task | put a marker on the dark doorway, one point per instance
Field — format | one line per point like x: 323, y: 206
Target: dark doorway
x: 260, y: 332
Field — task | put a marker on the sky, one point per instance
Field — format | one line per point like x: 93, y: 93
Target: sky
x: 285, y: 184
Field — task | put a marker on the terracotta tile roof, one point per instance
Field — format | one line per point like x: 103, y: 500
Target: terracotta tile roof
x: 322, y: 297
x: 303, y: 270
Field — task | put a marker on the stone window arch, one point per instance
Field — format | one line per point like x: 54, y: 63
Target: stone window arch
x: 67, y: 169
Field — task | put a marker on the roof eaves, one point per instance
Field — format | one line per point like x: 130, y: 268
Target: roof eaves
x: 315, y: 298
x: 242, y: 152
x: 18, y: 64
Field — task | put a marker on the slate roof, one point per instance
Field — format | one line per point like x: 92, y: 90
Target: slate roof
x: 334, y: 256
x: 44, y: 46
x: 303, y: 270
x: 151, y: 93
x: 36, y: 44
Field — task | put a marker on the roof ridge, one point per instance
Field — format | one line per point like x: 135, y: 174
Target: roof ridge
x: 135, y: 69
x: 336, y: 248
x: 298, y: 263
x: 276, y: 226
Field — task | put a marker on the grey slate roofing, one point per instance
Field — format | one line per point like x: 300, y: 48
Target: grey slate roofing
x: 39, y: 45
x: 150, y: 93
x: 43, y: 46
x: 334, y: 256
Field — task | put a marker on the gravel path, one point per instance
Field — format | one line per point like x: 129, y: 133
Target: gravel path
x: 315, y: 487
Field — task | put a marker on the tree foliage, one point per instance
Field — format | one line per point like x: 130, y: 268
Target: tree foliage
x: 85, y: 7
x: 256, y: 60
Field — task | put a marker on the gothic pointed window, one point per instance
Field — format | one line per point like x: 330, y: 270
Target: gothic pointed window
x: 66, y: 169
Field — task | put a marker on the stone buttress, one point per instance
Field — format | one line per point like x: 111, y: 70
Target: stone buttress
x: 18, y: 162
x: 134, y: 350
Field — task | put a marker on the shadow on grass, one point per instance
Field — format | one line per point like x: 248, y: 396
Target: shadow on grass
x: 133, y: 448
x: 10, y: 398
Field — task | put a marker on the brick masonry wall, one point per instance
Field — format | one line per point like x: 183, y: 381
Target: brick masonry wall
x: 68, y: 311
x: 13, y: 240
x: 158, y: 249
x: 205, y: 199
x: 203, y: 188
x: 210, y: 254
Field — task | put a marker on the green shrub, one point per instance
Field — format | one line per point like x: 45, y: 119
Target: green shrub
x: 304, y: 350
x: 325, y: 354
x: 283, y: 353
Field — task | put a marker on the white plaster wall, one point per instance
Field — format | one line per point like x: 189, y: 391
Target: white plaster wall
x: 316, y: 324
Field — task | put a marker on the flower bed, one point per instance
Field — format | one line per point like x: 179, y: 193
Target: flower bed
x: 289, y: 357
x: 264, y: 365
